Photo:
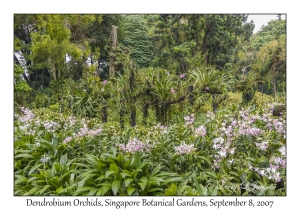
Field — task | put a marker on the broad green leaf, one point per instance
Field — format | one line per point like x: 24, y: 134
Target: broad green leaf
x: 136, y: 160
x: 130, y: 191
x: 171, y: 190
x: 41, y: 192
x: 128, y: 181
x: 234, y: 173
x: 63, y: 160
x: 144, y: 180
x: 108, y: 173
x: 155, y: 190
x: 212, y: 174
x: 174, y: 179
x: 115, y: 186
x: 92, y: 192
x: 125, y: 174
x: 32, y: 191
x: 59, y: 190
x: 34, y: 168
x: 103, y: 190
x: 24, y: 156
x: 199, y: 189
x: 20, y: 179
x: 215, y: 191
x: 142, y: 185
x: 114, y: 167
x: 81, y: 182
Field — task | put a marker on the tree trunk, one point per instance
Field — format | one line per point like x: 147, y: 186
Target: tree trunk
x: 113, y: 48
x: 145, y: 113
x: 104, y: 112
x: 191, y: 96
x: 122, y: 114
x: 157, y: 113
x: 274, y: 85
x: 52, y: 69
x: 133, y: 116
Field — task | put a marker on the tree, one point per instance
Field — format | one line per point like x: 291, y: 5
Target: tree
x: 136, y: 38
x: 51, y: 42
x: 21, y: 88
x: 272, y: 31
x: 217, y: 37
x: 271, y: 62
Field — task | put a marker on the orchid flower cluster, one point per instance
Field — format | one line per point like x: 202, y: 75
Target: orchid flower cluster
x: 200, y: 131
x: 161, y: 128
x: 70, y: 122
x: 270, y: 173
x: 222, y: 148
x: 244, y: 126
x: 82, y: 133
x: 27, y: 116
x: 210, y: 116
x: 173, y: 91
x: 275, y: 124
x: 189, y: 119
x: 135, y: 145
x: 182, y: 76
x: 262, y: 145
x: 50, y: 126
x: 183, y: 148
x: 26, y: 129
x: 276, y: 163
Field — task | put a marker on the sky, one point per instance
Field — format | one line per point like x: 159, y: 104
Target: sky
x: 260, y: 20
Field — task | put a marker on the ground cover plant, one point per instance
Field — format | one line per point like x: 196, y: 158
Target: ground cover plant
x: 148, y: 108
x: 220, y: 155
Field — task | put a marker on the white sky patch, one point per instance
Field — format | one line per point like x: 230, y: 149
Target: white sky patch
x: 262, y: 19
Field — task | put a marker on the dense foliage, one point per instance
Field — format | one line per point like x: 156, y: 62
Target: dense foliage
x: 196, y: 107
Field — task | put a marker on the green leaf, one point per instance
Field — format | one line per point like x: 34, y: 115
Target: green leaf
x: 141, y: 166
x: 92, y: 192
x: 174, y: 179
x: 24, y: 156
x: 136, y: 160
x: 171, y: 190
x: 114, y: 167
x: 128, y: 181
x: 125, y: 174
x: 199, y: 189
x: 81, y: 182
x: 59, y: 190
x: 83, y: 189
x: 234, y: 173
x: 144, y: 180
x: 32, y: 191
x: 135, y: 172
x: 130, y: 191
x: 20, y: 179
x: 92, y: 160
x: 108, y: 173
x: 142, y: 185
x: 34, y: 168
x: 41, y: 192
x: 155, y: 190
x: 215, y: 191
x: 115, y: 186
x: 103, y: 190
x: 63, y: 160
x: 212, y: 174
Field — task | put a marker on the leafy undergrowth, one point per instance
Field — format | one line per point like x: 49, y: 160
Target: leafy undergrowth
x: 230, y: 152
